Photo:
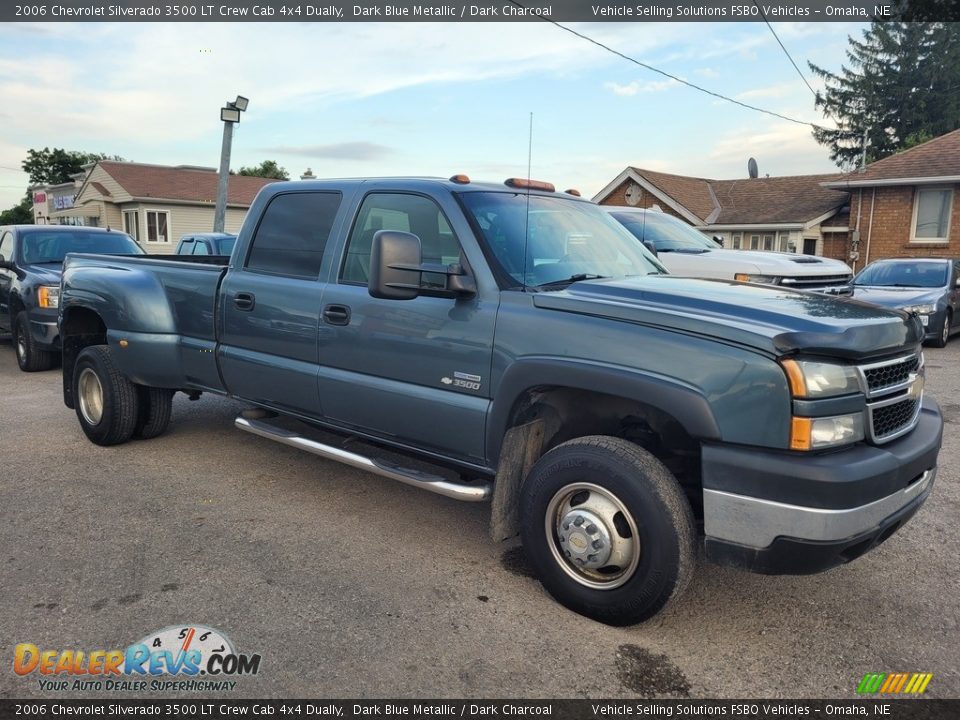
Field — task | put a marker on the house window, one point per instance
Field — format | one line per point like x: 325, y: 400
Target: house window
x: 754, y: 242
x: 737, y: 238
x: 931, y: 214
x: 768, y: 242
x: 131, y: 224
x: 157, y: 223
x: 783, y: 242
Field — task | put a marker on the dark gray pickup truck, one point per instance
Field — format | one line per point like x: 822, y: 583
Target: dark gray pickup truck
x: 522, y: 339
x: 31, y: 258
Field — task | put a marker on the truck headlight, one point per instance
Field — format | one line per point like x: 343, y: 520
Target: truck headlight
x: 920, y: 309
x: 48, y: 296
x: 810, y: 379
x: 765, y: 279
x: 817, y: 433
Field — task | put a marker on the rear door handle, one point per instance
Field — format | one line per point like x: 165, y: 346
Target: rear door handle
x: 336, y: 315
x: 244, y: 301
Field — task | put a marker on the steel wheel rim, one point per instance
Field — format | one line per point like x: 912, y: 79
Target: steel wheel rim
x: 90, y: 393
x: 598, y: 506
x: 945, y: 335
x: 21, y: 348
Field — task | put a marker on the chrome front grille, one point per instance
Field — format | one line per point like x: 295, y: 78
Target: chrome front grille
x: 815, y: 282
x: 894, y: 390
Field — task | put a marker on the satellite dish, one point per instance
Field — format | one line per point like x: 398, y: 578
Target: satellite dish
x: 752, y: 168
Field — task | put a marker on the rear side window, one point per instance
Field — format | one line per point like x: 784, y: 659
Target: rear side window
x: 186, y: 247
x: 201, y: 248
x: 293, y: 233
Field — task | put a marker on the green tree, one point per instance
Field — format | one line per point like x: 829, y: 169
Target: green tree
x: 50, y: 167
x: 266, y: 169
x: 901, y: 84
x: 19, y: 214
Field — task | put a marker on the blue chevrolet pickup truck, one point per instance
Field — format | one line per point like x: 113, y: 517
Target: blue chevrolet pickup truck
x: 615, y: 416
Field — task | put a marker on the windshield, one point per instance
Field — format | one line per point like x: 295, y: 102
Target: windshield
x: 565, y: 240
x: 226, y: 245
x: 903, y: 274
x: 47, y: 246
x: 666, y: 233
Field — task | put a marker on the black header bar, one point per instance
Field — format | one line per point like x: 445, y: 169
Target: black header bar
x: 479, y: 11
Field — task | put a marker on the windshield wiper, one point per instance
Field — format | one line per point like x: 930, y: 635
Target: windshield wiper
x: 690, y: 251
x: 572, y: 279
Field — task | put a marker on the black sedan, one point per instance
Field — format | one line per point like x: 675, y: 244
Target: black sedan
x: 927, y: 287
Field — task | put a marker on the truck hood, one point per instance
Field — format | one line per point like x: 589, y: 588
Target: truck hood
x: 897, y: 297
x: 770, y: 263
x: 45, y: 273
x: 773, y: 320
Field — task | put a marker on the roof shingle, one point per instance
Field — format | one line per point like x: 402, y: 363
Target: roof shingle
x: 186, y: 184
x: 935, y: 158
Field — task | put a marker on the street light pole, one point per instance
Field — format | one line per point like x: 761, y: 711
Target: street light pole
x: 230, y: 114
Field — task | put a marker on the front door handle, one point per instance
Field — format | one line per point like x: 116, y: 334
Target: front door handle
x: 244, y: 301
x: 336, y: 315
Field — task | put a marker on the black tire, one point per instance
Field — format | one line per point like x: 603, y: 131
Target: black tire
x: 106, y: 401
x: 655, y: 505
x: 156, y: 406
x: 945, y: 328
x: 30, y: 358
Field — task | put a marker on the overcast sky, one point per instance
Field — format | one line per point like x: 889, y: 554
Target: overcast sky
x: 418, y: 99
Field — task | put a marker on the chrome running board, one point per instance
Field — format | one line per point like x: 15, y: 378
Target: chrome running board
x: 478, y: 492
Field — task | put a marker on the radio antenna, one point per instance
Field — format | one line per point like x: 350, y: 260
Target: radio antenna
x: 526, y: 222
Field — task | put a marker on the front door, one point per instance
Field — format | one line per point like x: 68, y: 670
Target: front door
x: 6, y: 280
x: 270, y: 306
x: 409, y: 370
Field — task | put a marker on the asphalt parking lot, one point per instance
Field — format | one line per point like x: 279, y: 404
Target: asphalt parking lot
x: 350, y: 585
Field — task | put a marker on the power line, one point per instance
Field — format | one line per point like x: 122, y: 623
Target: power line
x: 783, y: 47
x: 668, y: 75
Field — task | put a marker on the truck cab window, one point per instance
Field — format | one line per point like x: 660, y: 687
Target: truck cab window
x: 6, y: 247
x: 407, y: 213
x: 293, y: 233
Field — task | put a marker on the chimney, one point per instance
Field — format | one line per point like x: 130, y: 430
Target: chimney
x: 308, y: 175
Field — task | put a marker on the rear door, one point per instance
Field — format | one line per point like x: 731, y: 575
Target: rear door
x: 415, y: 371
x: 270, y: 304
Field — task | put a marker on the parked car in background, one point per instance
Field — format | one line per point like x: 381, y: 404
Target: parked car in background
x: 206, y: 244
x: 31, y: 262
x: 927, y: 287
x: 686, y: 251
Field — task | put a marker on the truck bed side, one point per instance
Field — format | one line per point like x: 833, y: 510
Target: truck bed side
x: 158, y: 314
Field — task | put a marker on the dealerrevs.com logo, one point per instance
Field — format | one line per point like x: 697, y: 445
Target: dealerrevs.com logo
x: 195, y: 656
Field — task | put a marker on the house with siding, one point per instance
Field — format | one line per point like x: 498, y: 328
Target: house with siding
x: 788, y: 214
x: 158, y: 204
x: 908, y: 204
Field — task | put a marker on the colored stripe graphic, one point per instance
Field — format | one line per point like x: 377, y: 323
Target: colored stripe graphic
x: 894, y: 683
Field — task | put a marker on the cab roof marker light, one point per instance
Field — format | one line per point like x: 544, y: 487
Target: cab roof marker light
x: 460, y: 179
x: 526, y: 184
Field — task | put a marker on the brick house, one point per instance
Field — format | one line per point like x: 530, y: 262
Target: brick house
x: 908, y: 204
x: 156, y: 204
x: 788, y: 214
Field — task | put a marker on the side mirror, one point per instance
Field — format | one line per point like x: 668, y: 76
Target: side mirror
x: 6, y: 264
x: 394, y: 265
x: 648, y: 244
x: 718, y: 240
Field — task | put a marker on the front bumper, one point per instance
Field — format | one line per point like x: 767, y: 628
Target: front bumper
x: 790, y: 513
x: 46, y: 334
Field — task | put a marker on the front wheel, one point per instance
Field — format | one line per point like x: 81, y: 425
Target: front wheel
x: 607, y: 529
x: 106, y: 401
x: 944, y: 337
x: 30, y: 358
